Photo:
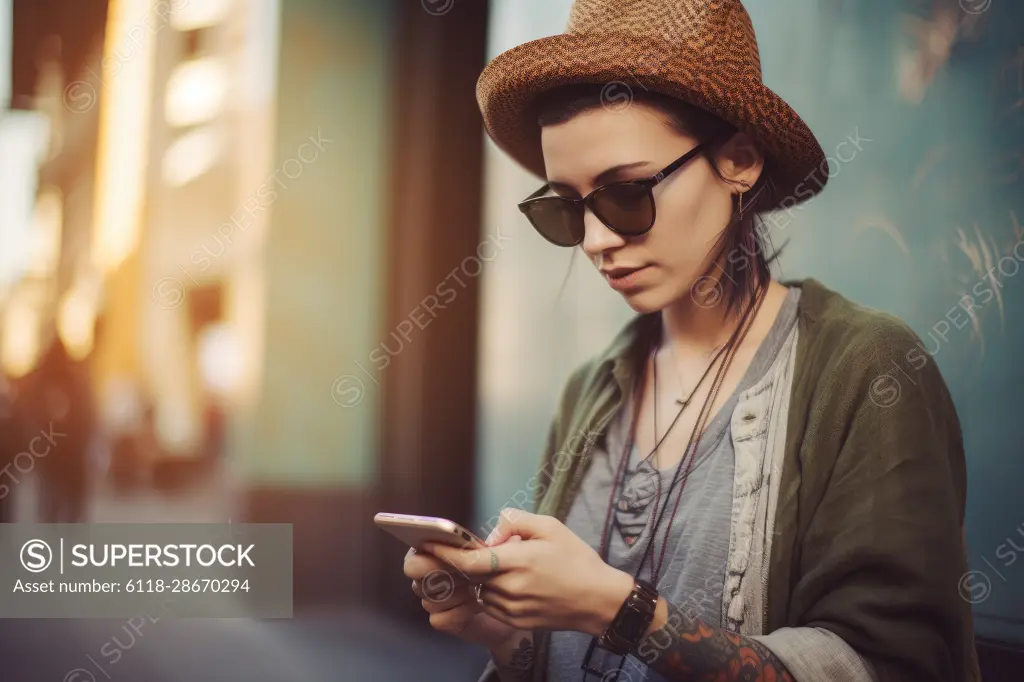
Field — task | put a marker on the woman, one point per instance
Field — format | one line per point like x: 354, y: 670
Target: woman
x: 741, y: 487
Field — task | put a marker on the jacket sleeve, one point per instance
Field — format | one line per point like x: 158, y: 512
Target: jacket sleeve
x: 882, y: 552
x: 812, y: 654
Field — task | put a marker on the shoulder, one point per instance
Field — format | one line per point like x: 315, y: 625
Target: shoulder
x: 840, y: 335
x: 855, y: 362
x: 864, y: 383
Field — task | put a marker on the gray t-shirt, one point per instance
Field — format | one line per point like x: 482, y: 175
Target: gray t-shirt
x: 693, y: 571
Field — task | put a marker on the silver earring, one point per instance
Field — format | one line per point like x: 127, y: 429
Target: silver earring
x: 746, y: 187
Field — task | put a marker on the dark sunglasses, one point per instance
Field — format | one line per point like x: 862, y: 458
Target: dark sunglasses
x: 626, y: 207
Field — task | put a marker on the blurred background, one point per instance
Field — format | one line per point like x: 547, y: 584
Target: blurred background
x: 258, y: 262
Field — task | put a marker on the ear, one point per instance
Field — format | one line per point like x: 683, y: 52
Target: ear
x: 741, y: 161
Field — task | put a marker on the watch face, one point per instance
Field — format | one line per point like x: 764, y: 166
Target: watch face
x: 632, y: 625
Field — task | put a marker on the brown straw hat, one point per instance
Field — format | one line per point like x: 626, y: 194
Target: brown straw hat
x: 700, y: 51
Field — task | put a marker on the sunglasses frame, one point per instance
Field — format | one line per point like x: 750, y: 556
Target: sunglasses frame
x: 580, y: 205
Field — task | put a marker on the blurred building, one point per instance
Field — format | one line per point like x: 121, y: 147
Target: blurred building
x: 233, y: 202
x: 149, y: 138
x: 48, y: 156
x: 169, y: 193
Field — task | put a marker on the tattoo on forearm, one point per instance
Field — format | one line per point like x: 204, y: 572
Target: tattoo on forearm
x: 687, y: 648
x: 520, y: 663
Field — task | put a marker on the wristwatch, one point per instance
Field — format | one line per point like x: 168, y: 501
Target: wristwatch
x: 631, y: 622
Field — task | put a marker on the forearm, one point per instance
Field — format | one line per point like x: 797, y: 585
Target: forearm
x: 681, y: 647
x: 514, y: 658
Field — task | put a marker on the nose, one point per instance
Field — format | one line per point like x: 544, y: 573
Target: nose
x: 597, y: 238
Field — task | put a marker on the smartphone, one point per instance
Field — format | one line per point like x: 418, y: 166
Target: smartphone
x: 416, y: 530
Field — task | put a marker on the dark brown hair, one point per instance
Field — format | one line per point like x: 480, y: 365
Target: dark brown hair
x: 743, y: 243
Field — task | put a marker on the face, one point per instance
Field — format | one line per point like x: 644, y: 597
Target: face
x: 693, y: 205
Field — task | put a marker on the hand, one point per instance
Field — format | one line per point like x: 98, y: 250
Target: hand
x: 448, y: 596
x: 551, y: 580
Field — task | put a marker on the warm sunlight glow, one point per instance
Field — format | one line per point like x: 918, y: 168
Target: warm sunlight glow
x: 46, y: 237
x: 191, y: 155
x: 76, y: 318
x: 220, y: 359
x: 196, y: 92
x: 200, y: 14
x: 21, y: 337
x: 123, y: 135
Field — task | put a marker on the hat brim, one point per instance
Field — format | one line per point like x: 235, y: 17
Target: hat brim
x: 511, y: 84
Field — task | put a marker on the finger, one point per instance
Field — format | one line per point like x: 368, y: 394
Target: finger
x: 421, y: 564
x: 438, y: 585
x: 500, y: 536
x: 497, y: 606
x: 454, y: 620
x: 513, y: 521
x: 478, y: 562
x: 507, y: 585
x: 435, y: 585
x: 460, y: 597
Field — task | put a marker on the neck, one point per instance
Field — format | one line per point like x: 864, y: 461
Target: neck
x: 693, y: 328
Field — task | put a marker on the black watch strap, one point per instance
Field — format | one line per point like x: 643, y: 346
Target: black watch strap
x: 631, y: 622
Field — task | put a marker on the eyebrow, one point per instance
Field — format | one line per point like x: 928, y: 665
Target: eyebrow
x: 608, y: 175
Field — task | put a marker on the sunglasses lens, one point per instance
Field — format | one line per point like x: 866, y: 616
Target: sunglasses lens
x: 557, y: 220
x: 627, y: 207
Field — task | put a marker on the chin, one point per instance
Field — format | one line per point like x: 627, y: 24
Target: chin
x: 646, y: 301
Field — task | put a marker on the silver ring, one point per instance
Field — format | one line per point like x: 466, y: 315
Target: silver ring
x: 478, y: 590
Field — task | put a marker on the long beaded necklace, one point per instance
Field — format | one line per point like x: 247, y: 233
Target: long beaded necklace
x: 729, y: 350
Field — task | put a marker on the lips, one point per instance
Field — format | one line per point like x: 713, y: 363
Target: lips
x: 625, y: 278
x: 617, y: 273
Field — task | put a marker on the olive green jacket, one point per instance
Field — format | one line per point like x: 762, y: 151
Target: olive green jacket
x: 865, y: 543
